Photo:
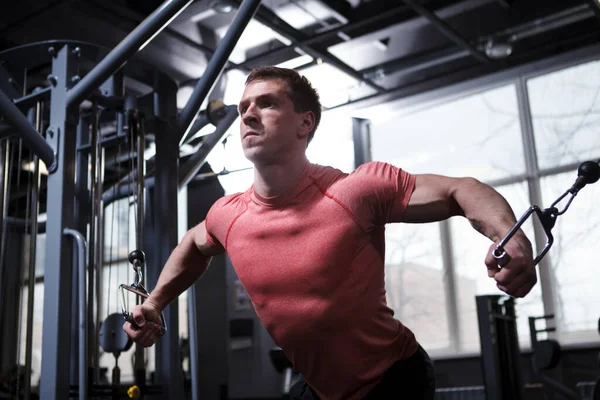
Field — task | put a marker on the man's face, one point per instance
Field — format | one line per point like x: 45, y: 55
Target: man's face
x: 270, y: 129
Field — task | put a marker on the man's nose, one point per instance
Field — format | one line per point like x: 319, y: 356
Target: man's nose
x: 250, y: 115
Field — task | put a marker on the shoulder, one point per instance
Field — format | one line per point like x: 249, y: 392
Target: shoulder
x: 373, y: 174
x: 230, y: 200
x: 376, y: 169
x: 226, y: 208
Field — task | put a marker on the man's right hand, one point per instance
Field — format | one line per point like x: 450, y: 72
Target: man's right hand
x: 146, y: 330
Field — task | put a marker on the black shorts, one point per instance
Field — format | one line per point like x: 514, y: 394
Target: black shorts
x: 411, y: 379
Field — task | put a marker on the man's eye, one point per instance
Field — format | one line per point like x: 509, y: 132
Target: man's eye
x: 243, y: 110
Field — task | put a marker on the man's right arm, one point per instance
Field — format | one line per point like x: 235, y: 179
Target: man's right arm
x: 187, y: 263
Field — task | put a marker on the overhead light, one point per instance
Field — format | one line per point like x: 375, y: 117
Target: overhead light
x: 498, y: 50
x: 222, y: 6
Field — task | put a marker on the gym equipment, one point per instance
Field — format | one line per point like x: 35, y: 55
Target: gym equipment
x: 137, y: 259
x: 284, y: 366
x: 114, y: 340
x: 546, y: 355
x: 134, y: 392
x: 588, y: 172
x: 82, y: 90
x: 546, y: 352
x: 499, y: 347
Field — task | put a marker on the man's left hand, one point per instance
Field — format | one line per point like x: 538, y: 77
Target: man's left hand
x: 518, y: 276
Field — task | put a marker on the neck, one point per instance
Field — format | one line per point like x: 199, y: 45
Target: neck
x: 274, y: 179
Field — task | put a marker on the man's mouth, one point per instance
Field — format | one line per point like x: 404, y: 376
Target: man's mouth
x: 250, y: 133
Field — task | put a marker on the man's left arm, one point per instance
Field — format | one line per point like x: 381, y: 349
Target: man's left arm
x: 435, y: 198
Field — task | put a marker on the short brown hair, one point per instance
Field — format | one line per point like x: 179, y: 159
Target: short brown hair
x: 300, y: 91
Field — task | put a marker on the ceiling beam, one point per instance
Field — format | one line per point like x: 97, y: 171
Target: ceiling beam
x: 552, y: 53
x: 595, y: 5
x: 447, y: 30
x: 268, y: 18
x: 393, y: 13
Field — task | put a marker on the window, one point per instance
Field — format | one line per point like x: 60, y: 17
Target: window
x: 469, y: 249
x: 574, y: 261
x: 478, y: 135
x: 415, y: 287
x: 565, y: 109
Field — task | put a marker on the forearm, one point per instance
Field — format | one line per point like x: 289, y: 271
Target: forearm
x: 487, y: 211
x: 185, y: 265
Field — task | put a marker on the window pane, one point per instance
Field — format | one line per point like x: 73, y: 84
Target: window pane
x: 469, y: 249
x: 477, y: 136
x: 414, y: 282
x: 36, y: 337
x: 119, y: 229
x: 333, y: 143
x: 565, y: 108
x: 574, y: 259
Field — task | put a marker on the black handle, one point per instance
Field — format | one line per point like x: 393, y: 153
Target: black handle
x: 137, y: 255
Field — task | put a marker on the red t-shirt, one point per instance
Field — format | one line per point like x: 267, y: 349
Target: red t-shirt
x: 312, y: 262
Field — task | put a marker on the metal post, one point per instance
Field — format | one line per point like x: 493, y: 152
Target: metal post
x: 81, y: 274
x: 134, y: 126
x: 362, y: 141
x: 56, y: 338
x: 134, y: 42
x: 450, y: 286
x: 141, y: 145
x: 163, y: 231
x: 99, y: 257
x: 546, y: 272
x: 93, y: 239
x: 215, y: 66
x: 4, y: 181
x: 33, y: 140
x: 82, y: 214
x: 33, y: 232
x: 195, y: 162
x: 193, y: 338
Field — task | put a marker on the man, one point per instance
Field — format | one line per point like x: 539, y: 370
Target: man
x: 307, y: 242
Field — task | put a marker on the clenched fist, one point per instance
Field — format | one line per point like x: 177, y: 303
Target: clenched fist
x: 518, y: 276
x: 147, y: 327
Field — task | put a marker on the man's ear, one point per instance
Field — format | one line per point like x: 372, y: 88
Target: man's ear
x: 307, y: 124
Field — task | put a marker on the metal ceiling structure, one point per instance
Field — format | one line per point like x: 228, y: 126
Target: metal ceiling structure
x: 379, y: 46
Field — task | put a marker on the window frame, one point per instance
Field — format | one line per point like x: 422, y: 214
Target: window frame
x: 519, y: 77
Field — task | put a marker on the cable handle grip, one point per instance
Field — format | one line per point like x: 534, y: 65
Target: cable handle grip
x: 138, y: 258
x: 587, y: 173
x: 140, y: 291
x: 499, y: 253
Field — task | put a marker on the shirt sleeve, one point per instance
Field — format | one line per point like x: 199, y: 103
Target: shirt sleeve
x: 219, y: 219
x: 376, y: 193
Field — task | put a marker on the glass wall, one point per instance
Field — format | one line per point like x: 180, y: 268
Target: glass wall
x: 479, y: 134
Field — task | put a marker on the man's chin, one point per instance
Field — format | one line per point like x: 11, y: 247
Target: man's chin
x: 252, y: 154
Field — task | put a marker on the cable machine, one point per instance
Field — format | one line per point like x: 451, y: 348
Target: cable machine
x: 82, y: 117
x: 500, y: 351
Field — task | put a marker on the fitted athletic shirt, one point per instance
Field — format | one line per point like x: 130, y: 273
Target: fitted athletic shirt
x: 312, y: 262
